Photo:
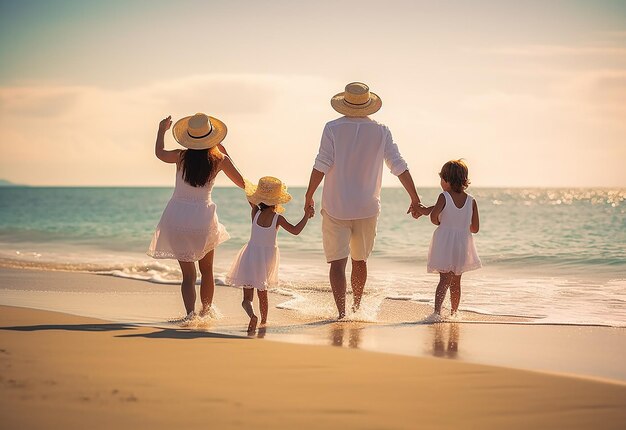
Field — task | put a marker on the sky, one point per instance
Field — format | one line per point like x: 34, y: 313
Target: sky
x: 530, y: 94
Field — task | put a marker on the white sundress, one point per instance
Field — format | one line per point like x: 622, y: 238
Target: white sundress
x: 189, y: 227
x: 452, y: 247
x: 256, y: 264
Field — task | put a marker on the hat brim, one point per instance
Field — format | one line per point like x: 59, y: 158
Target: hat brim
x: 338, y: 102
x: 217, y: 135
x: 256, y: 198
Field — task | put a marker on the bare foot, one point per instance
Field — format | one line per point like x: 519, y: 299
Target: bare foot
x: 253, y: 322
x: 206, y: 311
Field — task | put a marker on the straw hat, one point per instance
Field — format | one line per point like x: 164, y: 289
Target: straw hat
x: 356, y: 100
x: 270, y: 191
x: 199, y: 131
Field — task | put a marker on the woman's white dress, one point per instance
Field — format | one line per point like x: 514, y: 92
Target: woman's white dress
x: 256, y: 264
x: 189, y: 227
x: 452, y: 247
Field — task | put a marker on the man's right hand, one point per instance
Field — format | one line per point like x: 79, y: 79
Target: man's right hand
x: 415, y: 209
x: 309, y: 203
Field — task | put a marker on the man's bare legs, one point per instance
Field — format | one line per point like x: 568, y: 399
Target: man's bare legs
x: 358, y: 278
x: 337, y: 277
x: 188, y: 286
x: 263, y: 305
x: 207, y: 282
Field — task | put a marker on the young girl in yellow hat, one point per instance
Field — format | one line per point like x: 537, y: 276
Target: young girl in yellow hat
x: 256, y: 265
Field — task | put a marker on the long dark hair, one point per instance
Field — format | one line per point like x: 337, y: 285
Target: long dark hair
x: 197, y: 165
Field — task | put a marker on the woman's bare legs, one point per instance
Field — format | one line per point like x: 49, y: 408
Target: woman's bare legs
x: 207, y: 282
x: 442, y: 288
x: 263, y: 305
x: 188, y: 286
x: 246, y: 304
x: 455, y: 292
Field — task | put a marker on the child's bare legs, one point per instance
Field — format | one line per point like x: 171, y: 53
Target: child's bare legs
x: 358, y: 278
x: 263, y: 305
x: 207, y: 282
x: 248, y: 295
x: 455, y: 292
x: 188, y: 286
x: 442, y: 288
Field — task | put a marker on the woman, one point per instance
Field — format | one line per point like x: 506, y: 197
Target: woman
x: 189, y: 229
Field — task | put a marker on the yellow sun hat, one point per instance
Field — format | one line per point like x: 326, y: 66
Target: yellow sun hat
x: 357, y: 100
x: 270, y: 191
x: 199, y: 131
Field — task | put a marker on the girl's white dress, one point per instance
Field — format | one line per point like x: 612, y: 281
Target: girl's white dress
x: 452, y: 248
x: 189, y: 227
x: 256, y: 265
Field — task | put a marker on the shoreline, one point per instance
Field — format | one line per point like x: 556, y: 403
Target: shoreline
x: 579, y: 350
x: 61, y: 369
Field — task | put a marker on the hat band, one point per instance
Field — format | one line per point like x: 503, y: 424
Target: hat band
x: 198, y: 137
x: 203, y: 136
x: 357, y: 104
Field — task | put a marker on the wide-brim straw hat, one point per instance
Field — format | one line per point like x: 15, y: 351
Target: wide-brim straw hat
x: 199, y: 131
x: 356, y: 100
x: 270, y: 191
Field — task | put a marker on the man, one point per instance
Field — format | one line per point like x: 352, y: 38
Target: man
x: 350, y: 159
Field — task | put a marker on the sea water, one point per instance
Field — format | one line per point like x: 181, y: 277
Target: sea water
x: 555, y: 255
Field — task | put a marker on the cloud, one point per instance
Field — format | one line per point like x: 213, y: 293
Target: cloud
x: 91, y: 135
x: 558, y: 50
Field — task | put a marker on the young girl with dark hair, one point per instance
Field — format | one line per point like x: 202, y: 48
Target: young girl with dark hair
x: 452, y: 251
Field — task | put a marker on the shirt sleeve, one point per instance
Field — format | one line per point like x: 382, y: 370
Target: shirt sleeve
x: 326, y: 155
x: 393, y: 159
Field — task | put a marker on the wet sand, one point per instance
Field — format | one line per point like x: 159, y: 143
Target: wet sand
x: 584, y: 351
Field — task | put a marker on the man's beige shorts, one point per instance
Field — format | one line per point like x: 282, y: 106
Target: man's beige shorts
x: 343, y: 238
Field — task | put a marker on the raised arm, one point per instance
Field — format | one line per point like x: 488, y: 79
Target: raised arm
x: 159, y: 146
x: 309, y: 211
x: 475, y: 225
x: 434, y: 215
x: 231, y: 171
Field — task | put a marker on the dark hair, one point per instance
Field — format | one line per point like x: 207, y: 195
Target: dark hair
x: 263, y: 206
x: 455, y: 173
x: 197, y: 166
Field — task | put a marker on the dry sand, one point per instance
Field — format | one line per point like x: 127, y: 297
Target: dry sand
x: 62, y: 371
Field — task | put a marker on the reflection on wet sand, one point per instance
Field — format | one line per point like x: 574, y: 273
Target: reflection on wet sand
x: 340, y: 333
x: 446, y: 340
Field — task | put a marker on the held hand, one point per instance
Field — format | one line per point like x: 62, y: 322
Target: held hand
x: 415, y: 210
x: 165, y: 124
x: 309, y: 211
x: 309, y: 203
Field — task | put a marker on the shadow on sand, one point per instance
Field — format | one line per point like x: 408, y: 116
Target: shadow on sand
x: 158, y: 334
x: 73, y: 327
x: 183, y: 334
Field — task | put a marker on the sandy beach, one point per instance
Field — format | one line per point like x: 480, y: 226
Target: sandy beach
x: 61, y: 370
